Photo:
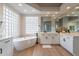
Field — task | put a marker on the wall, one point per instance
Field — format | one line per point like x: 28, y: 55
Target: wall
x: 22, y: 26
x: 53, y: 27
x: 65, y: 21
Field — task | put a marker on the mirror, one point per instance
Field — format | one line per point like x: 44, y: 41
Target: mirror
x: 47, y: 24
x: 70, y: 22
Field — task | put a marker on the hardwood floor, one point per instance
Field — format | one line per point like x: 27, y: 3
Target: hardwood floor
x: 37, y: 50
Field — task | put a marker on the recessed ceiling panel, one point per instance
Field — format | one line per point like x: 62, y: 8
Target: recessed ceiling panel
x: 46, y: 6
x: 49, y: 4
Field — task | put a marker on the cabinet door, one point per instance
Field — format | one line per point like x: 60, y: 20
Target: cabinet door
x: 43, y: 39
x: 1, y: 48
x: 48, y: 40
x: 7, y: 48
x: 62, y: 41
x: 7, y: 51
x: 69, y: 44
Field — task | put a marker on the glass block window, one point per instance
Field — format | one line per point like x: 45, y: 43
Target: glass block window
x: 11, y: 23
x: 31, y: 25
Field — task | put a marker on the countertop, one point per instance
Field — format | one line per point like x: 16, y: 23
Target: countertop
x: 70, y: 34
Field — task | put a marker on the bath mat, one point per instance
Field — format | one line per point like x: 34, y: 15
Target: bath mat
x: 46, y: 46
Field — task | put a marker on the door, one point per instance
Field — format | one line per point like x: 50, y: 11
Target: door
x: 69, y: 44
x: 62, y: 41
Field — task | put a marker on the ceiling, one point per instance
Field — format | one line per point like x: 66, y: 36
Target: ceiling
x: 23, y: 9
x: 49, y: 4
x: 46, y: 6
x: 44, y: 9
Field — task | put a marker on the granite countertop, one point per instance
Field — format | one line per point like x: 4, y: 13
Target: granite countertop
x: 70, y: 34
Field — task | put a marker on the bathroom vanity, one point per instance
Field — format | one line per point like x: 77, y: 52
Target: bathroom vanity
x: 5, y: 43
x: 70, y: 41
x: 6, y: 47
x: 48, y: 38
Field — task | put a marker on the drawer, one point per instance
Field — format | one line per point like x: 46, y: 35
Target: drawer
x: 7, y: 42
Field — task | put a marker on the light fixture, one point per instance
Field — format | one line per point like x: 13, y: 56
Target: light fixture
x: 67, y: 15
x: 53, y: 15
x: 68, y: 8
x: 19, y: 4
x: 77, y: 7
x: 75, y: 15
x: 56, y: 12
x: 25, y: 10
x: 73, y: 12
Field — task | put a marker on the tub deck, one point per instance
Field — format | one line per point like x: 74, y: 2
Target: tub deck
x: 37, y: 50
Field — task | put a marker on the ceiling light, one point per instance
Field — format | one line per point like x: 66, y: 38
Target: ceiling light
x: 56, y: 12
x: 53, y: 15
x: 76, y: 7
x: 67, y: 15
x: 75, y: 15
x: 68, y: 8
x: 25, y: 10
x: 73, y: 12
x: 19, y: 4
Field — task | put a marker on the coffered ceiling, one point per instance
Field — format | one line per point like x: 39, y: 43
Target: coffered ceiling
x: 49, y: 4
x: 46, y: 6
x: 45, y: 9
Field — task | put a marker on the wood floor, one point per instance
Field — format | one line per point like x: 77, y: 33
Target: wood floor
x: 37, y: 50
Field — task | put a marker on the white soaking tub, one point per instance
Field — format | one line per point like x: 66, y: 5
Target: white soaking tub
x: 25, y: 42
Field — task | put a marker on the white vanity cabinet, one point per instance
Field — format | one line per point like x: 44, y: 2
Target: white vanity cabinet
x: 48, y: 38
x: 6, y: 47
x: 62, y: 41
x: 70, y: 42
x: 67, y: 42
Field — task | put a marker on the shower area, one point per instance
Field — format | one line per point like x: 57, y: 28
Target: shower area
x: 48, y: 35
x: 46, y: 24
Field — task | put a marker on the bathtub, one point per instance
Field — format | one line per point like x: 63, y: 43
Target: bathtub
x: 23, y: 43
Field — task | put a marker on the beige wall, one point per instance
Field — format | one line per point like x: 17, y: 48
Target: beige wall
x: 22, y: 26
